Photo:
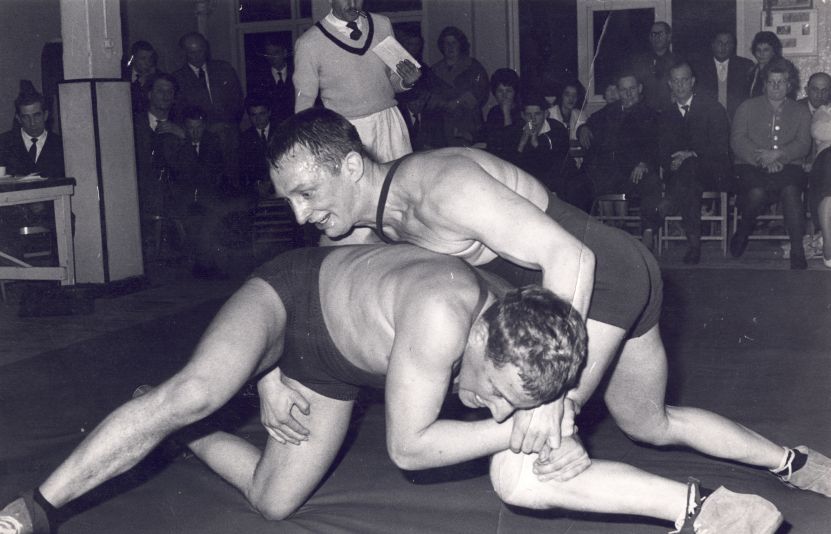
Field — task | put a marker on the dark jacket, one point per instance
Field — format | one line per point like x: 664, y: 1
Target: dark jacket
x: 253, y: 160
x: 623, y: 138
x: 15, y: 157
x: 652, y: 72
x: 223, y: 104
x: 738, y: 84
x: 545, y: 161
x: 154, y: 154
x: 704, y: 130
x: 280, y: 97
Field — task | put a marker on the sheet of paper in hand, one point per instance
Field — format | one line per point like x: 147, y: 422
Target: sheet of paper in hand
x: 392, y: 53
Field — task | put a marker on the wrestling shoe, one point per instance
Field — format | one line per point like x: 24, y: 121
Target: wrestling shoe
x: 726, y: 512
x: 15, y: 518
x: 26, y: 515
x: 814, y: 474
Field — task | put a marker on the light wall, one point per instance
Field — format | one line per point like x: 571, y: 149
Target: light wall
x: 749, y: 13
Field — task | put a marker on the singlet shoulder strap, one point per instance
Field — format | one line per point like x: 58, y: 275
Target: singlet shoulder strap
x: 382, y: 202
x: 370, y: 33
x: 483, y: 291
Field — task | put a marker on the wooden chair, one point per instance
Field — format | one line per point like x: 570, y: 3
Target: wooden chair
x: 713, y: 223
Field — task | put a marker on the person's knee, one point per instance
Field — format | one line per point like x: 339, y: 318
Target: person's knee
x: 515, y: 483
x: 644, y: 426
x: 755, y: 196
x: 189, y: 398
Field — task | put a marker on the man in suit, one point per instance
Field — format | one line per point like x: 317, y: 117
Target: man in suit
x: 693, y: 150
x: 253, y: 146
x: 213, y: 86
x: 201, y: 196
x: 275, y: 82
x: 722, y: 74
x: 818, y: 91
x: 157, y: 139
x: 652, y: 68
x: 32, y: 149
x: 622, y: 152
x: 140, y: 68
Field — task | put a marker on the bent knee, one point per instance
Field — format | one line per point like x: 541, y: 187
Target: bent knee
x: 189, y: 398
x: 516, y: 484
x: 650, y: 427
x: 505, y: 473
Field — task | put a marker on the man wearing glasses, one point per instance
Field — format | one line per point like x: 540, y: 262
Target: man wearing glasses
x: 652, y: 68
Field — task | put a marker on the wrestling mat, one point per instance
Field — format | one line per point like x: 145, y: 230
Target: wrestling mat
x: 752, y: 345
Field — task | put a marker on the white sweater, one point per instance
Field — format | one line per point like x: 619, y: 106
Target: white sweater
x: 350, y: 84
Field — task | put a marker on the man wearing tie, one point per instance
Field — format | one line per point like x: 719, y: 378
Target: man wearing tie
x: 32, y: 148
x: 139, y: 70
x: 334, y: 59
x: 693, y: 148
x: 275, y: 83
x: 157, y: 139
x: 722, y: 74
x: 214, y: 87
x: 254, y: 144
x: 28, y: 150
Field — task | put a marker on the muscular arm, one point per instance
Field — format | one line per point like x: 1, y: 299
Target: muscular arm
x: 230, y: 351
x: 429, y: 337
x: 471, y: 200
x: 305, y: 79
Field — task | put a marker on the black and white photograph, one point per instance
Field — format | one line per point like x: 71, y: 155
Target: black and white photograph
x: 415, y: 266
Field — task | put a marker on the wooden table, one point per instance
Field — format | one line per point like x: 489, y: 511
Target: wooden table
x: 57, y: 191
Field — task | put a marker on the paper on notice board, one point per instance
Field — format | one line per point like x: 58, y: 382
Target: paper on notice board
x: 392, y: 53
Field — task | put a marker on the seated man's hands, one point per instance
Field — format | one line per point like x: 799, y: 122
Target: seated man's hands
x: 564, y: 463
x: 639, y: 172
x: 543, y: 426
x: 679, y: 157
x: 276, y: 401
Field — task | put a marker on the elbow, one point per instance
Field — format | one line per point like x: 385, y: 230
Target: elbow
x: 405, y: 457
x: 587, y: 259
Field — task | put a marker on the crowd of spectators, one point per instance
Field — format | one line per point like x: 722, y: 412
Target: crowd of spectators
x: 671, y: 127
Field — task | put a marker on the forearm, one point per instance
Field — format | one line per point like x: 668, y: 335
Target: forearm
x: 573, y: 279
x: 449, y: 442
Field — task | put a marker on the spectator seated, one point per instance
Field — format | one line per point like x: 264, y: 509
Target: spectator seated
x: 622, y: 152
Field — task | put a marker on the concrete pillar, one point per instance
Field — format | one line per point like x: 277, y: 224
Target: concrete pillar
x: 97, y: 129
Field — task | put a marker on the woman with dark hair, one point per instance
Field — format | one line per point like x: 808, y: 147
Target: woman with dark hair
x: 568, y: 111
x: 766, y: 46
x: 505, y: 115
x: 460, y: 90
